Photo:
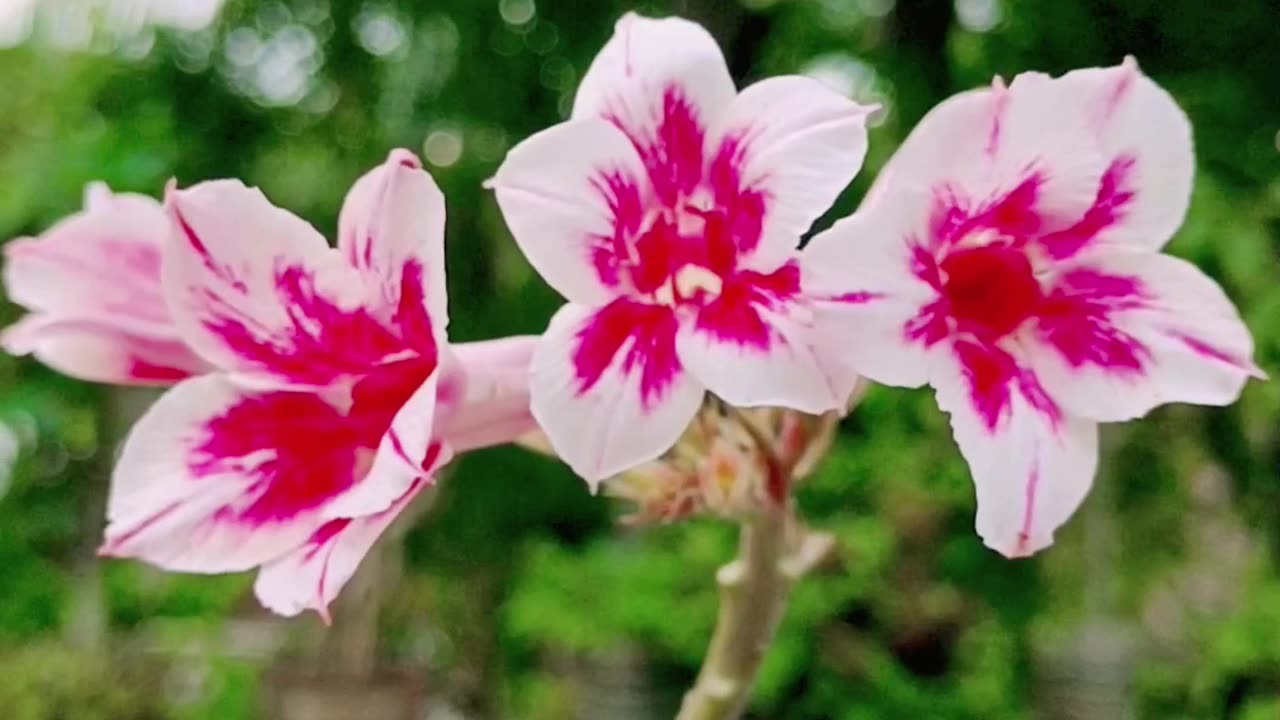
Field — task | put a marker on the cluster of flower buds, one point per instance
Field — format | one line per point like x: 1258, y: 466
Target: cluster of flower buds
x: 729, y: 463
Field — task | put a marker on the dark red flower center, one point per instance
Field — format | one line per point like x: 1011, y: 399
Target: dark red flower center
x: 991, y: 290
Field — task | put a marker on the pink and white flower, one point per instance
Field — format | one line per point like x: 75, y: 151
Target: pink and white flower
x: 92, y: 284
x: 1009, y: 257
x: 667, y: 211
x: 336, y: 397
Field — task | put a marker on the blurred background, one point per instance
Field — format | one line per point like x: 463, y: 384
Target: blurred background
x: 515, y: 594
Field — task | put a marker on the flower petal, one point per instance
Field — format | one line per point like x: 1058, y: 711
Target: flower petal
x: 257, y: 291
x: 1032, y: 465
x: 754, y: 345
x: 98, y: 351
x: 1123, y: 332
x: 310, y: 577
x: 1016, y: 159
x: 663, y: 82
x: 950, y: 145
x: 1039, y: 136
x: 1097, y: 156
x: 102, y: 263
x: 870, y: 290
x: 608, y: 388
x: 392, y: 229
x: 487, y: 402
x: 215, y: 478
x: 1145, y: 139
x: 782, y: 153
x: 394, y: 406
x: 573, y: 198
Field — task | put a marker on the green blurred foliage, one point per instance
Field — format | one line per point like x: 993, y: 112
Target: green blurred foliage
x: 519, y: 583
x: 45, y: 681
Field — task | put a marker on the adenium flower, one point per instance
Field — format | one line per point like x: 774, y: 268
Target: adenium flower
x: 92, y: 284
x: 336, y: 395
x: 1009, y: 257
x: 667, y: 211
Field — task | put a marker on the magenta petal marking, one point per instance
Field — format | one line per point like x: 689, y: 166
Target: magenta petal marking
x: 993, y: 375
x: 858, y: 297
x: 626, y: 207
x: 147, y: 372
x: 411, y: 316
x: 323, y: 542
x: 1075, y: 319
x: 1038, y: 398
x: 673, y: 157
x: 651, y: 330
x: 111, y: 546
x: 930, y: 325
x: 378, y: 396
x: 221, y: 271
x: 324, y: 342
x: 948, y: 216
x: 353, y: 338
x: 988, y: 370
x: 1206, y: 350
x: 925, y: 266
x: 1000, y: 100
x: 744, y: 208
x: 735, y: 316
x: 1124, y: 83
x: 326, y: 533
x: 676, y: 165
x: 1012, y: 215
x: 299, y: 450
x: 1028, y: 509
x: 295, y: 446
x: 657, y: 254
x: 1115, y: 195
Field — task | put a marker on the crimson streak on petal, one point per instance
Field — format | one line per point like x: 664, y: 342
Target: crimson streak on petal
x: 1076, y: 319
x: 735, y: 316
x: 295, y: 447
x: 646, y: 333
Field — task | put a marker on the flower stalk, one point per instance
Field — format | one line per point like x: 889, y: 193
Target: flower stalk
x: 774, y: 552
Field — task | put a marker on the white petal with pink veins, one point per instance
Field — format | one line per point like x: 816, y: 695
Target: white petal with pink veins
x: 1123, y: 332
x: 214, y: 478
x: 1028, y: 141
x: 1145, y: 139
x: 608, y: 389
x: 1032, y: 466
x: 647, y: 66
x: 870, y: 292
x: 1039, y: 132
x: 755, y: 345
x: 310, y: 577
x: 794, y: 143
x: 574, y: 196
x: 102, y: 263
x: 256, y: 290
x: 98, y: 351
x: 393, y: 218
